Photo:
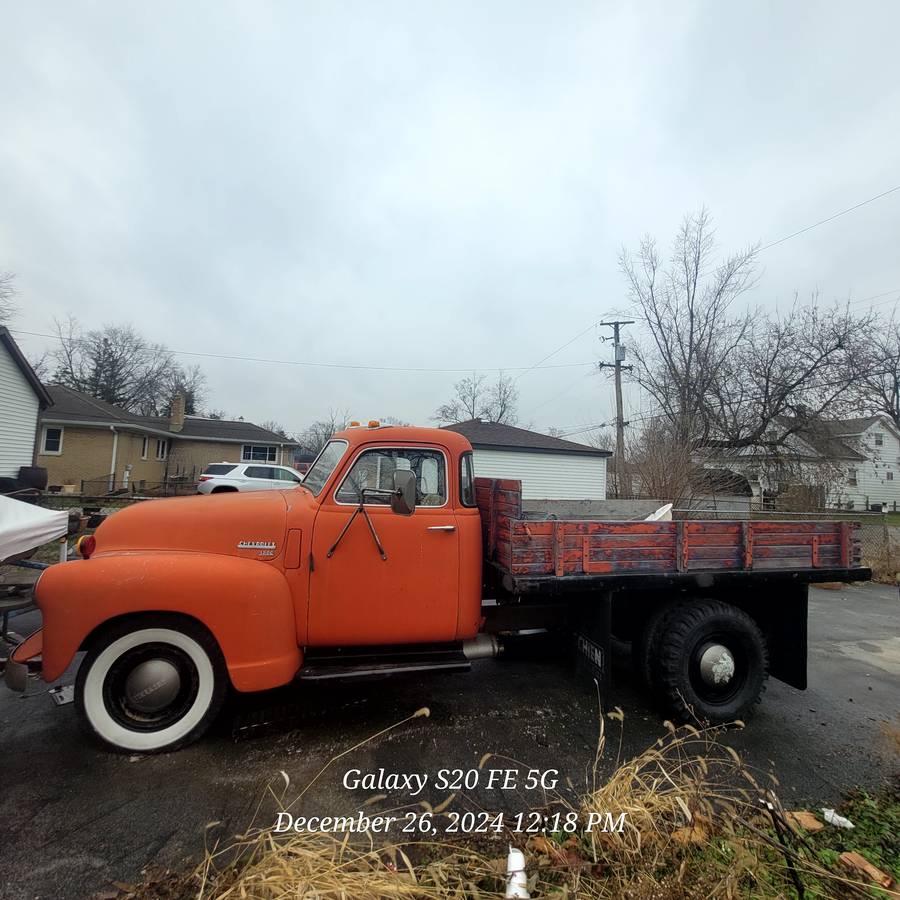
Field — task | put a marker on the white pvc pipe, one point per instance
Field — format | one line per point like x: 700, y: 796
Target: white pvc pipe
x: 516, y: 877
x: 112, y: 464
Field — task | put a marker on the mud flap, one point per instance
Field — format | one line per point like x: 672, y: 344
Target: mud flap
x: 784, y: 621
x: 592, y: 643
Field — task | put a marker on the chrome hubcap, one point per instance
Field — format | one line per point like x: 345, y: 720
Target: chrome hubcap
x: 152, y: 685
x: 716, y: 665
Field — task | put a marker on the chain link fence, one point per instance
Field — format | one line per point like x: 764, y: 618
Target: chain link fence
x: 105, y: 486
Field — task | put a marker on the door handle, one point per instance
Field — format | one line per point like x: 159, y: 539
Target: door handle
x: 441, y: 528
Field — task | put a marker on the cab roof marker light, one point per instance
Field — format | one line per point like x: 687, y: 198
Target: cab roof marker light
x: 374, y: 423
x: 354, y: 424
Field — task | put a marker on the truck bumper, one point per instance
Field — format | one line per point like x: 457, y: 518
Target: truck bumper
x: 17, y: 666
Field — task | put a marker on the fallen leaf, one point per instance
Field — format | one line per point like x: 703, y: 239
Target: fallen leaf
x: 861, y: 866
x: 804, y: 819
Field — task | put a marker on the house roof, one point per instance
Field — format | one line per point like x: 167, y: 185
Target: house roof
x: 71, y: 406
x: 24, y: 366
x: 852, y: 426
x: 496, y: 436
x: 823, y: 437
x: 816, y: 439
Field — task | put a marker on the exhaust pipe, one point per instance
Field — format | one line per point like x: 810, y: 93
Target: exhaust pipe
x: 482, y: 646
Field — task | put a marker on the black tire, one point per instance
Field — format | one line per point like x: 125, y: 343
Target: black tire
x: 187, y: 666
x: 691, y: 630
x: 224, y: 490
x: 645, y: 646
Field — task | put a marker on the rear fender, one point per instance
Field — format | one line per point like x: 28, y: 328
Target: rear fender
x: 245, y: 604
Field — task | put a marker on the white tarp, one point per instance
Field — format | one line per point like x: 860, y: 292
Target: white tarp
x: 24, y: 526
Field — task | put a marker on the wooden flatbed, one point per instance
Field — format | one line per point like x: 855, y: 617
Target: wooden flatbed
x: 555, y: 554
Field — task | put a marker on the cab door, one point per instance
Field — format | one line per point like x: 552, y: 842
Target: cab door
x: 412, y: 595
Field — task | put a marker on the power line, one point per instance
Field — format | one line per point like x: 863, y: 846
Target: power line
x: 292, y: 362
x: 555, y: 396
x: 892, y: 297
x: 837, y: 215
x: 873, y: 297
x: 557, y: 350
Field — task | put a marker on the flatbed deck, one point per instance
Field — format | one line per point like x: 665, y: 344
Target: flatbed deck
x: 560, y: 555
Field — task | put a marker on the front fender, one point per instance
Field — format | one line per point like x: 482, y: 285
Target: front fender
x: 245, y: 603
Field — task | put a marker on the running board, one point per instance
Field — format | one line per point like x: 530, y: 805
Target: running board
x: 346, y: 667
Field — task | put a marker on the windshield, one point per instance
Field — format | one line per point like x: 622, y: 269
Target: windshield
x: 321, y: 469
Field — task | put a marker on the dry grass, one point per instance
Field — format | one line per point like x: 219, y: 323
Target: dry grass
x: 884, y: 562
x: 698, y: 822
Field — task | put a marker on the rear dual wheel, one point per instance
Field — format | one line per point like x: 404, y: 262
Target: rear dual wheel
x: 705, y: 660
x: 151, y: 684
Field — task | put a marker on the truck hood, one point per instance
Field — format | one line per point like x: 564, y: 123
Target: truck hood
x: 250, y: 525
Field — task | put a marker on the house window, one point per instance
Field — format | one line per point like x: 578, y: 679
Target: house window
x: 889, y: 476
x: 162, y: 448
x: 879, y: 439
x: 851, y: 477
x: 52, y: 441
x: 144, y: 447
x: 259, y: 453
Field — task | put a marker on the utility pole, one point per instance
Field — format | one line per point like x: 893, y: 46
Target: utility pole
x: 623, y: 479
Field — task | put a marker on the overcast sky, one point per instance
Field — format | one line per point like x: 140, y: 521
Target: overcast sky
x: 435, y: 185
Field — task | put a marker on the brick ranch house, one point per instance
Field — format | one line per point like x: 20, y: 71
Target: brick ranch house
x: 98, y: 447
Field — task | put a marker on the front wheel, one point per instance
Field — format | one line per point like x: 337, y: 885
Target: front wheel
x: 151, y: 684
x: 711, y: 662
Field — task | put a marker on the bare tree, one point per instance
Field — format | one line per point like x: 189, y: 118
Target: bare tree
x: 117, y: 365
x: 875, y: 366
x: 467, y: 402
x: 41, y: 366
x: 7, y: 296
x: 789, y: 372
x: 662, y: 463
x: 475, y: 398
x: 190, y: 382
x: 502, y: 402
x: 685, y: 306
x: 726, y: 379
x: 316, y: 435
x: 276, y: 427
x: 393, y: 420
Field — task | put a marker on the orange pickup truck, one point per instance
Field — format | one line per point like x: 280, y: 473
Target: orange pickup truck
x: 392, y: 557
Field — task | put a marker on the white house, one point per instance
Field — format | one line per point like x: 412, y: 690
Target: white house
x: 549, y: 468
x: 876, y: 477
x: 22, y: 397
x: 854, y: 463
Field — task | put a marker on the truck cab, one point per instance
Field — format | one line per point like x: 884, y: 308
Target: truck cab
x: 181, y: 599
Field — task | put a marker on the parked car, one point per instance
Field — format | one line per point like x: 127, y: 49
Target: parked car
x: 217, y: 478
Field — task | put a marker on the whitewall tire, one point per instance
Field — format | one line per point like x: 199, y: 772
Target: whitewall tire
x: 151, y: 684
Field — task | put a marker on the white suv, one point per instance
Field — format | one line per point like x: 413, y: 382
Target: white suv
x: 218, y: 478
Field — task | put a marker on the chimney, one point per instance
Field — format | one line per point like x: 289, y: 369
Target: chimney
x: 176, y: 416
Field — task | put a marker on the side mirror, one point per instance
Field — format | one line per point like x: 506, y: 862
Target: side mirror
x: 403, y: 498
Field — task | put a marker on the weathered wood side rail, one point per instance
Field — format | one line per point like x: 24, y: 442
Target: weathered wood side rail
x: 575, y: 547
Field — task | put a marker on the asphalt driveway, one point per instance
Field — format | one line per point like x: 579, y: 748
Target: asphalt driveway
x: 75, y: 818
